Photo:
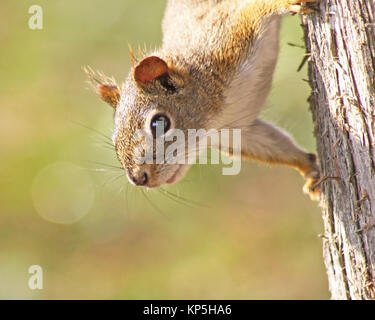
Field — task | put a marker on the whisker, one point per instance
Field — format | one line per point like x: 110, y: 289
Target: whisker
x: 113, y: 179
x: 156, y: 208
x: 173, y: 199
x: 108, y: 148
x: 93, y: 130
x: 106, y: 165
x: 109, y: 144
x: 100, y: 170
x: 127, y: 198
x: 185, y: 200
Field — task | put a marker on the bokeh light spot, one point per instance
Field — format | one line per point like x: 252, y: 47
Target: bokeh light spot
x: 63, y: 193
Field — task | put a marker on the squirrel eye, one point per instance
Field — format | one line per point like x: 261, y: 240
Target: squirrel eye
x: 160, y: 124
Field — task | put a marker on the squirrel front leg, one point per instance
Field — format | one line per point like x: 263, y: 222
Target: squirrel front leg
x: 265, y: 142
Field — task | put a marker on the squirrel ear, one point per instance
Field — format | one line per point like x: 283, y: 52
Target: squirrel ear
x: 109, y: 93
x: 150, y: 69
x: 106, y: 87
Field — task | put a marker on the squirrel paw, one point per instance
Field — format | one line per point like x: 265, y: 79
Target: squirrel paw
x: 312, y: 186
x: 312, y: 176
x: 299, y: 6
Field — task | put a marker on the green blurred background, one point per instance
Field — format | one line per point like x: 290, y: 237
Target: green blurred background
x: 64, y: 208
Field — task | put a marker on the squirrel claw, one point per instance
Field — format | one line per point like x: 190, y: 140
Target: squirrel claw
x: 312, y: 186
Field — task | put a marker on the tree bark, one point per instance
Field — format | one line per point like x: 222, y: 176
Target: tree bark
x: 341, y: 43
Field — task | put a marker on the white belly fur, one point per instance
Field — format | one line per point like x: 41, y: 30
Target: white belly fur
x: 251, y: 85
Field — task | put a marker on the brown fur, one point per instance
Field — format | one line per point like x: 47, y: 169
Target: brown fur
x: 214, y: 70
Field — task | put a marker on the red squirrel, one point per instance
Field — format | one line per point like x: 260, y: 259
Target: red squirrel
x: 214, y: 70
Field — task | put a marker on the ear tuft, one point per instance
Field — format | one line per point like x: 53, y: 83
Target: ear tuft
x: 150, y: 69
x: 133, y: 59
x: 109, y: 93
x: 106, y: 87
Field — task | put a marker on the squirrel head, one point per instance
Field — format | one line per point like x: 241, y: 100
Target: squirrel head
x: 156, y: 93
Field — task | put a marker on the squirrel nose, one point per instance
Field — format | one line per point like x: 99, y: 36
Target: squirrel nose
x: 139, y: 179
